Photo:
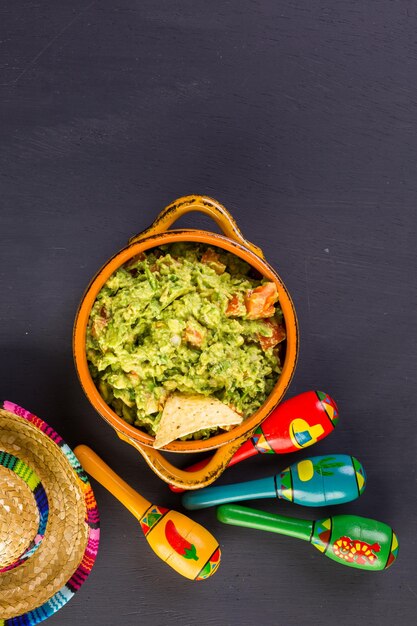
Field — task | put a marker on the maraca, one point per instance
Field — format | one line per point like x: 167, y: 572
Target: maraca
x: 180, y: 542
x: 348, y: 539
x: 316, y: 481
x: 296, y: 423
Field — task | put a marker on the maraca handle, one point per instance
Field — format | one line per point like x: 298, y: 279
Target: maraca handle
x: 252, y: 518
x: 250, y: 490
x: 99, y: 470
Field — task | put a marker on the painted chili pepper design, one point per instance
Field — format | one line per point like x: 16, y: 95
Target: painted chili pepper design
x: 355, y: 551
x: 180, y: 545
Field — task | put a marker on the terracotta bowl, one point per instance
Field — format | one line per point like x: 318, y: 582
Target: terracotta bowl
x: 233, y: 241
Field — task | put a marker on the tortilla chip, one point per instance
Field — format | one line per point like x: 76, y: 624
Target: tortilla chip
x: 185, y: 414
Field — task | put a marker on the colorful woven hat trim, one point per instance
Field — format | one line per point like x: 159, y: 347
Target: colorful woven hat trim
x: 33, y: 482
x: 59, y: 599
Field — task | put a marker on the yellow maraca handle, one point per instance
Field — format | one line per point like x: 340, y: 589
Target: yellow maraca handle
x: 99, y: 470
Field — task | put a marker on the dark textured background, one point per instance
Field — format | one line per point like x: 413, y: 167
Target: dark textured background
x: 301, y: 118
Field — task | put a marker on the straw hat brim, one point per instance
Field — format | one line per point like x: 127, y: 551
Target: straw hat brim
x: 50, y: 577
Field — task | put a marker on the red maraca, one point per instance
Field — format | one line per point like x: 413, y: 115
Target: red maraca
x: 296, y: 423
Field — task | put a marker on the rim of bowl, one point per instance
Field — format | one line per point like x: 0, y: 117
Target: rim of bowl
x: 192, y: 236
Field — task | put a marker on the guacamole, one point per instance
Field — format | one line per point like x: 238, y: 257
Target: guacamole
x: 184, y: 318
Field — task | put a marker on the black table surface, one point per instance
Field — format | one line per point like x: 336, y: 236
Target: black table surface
x: 300, y: 117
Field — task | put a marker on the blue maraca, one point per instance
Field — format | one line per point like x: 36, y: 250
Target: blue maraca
x: 316, y: 481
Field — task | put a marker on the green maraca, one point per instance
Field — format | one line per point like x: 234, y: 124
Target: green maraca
x: 347, y: 539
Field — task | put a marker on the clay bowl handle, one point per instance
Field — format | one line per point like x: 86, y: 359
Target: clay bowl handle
x: 181, y: 478
x: 203, y: 204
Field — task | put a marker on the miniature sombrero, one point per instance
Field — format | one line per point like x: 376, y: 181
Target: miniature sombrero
x: 49, y: 524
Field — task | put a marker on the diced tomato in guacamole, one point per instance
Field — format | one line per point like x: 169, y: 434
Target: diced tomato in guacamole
x: 276, y: 333
x: 212, y: 258
x: 260, y: 302
x: 235, y: 307
x: 193, y: 336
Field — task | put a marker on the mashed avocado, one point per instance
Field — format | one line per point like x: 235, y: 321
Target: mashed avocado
x: 186, y: 318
